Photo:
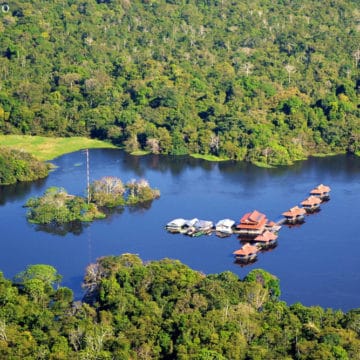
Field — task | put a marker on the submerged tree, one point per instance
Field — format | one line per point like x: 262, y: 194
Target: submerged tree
x: 140, y: 191
x: 108, y: 191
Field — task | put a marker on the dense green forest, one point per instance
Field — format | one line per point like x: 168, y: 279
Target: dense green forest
x: 264, y: 81
x: 16, y: 165
x: 165, y: 310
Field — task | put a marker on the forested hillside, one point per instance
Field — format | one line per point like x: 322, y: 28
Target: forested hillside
x: 265, y: 81
x: 164, y: 310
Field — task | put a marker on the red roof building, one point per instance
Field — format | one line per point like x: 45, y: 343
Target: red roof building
x: 252, y: 223
x: 247, y: 252
x: 312, y: 203
x: 266, y: 239
x: 321, y: 191
x: 294, y: 215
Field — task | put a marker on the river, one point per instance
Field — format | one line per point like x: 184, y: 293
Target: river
x: 317, y: 262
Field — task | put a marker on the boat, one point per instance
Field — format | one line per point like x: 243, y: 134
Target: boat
x: 175, y: 225
x: 322, y: 192
x: 252, y: 224
x: 246, y: 253
x: 311, y: 204
x: 295, y: 215
x: 224, y: 227
x: 266, y: 240
x: 200, y: 227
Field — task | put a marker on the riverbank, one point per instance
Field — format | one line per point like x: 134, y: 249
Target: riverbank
x: 48, y: 148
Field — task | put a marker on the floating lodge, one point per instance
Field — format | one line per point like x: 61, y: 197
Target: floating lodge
x: 321, y: 191
x: 295, y: 215
x: 246, y: 253
x: 253, y: 227
x: 311, y: 204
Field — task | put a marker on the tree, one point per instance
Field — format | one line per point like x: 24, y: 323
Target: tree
x: 108, y: 191
x: 47, y: 274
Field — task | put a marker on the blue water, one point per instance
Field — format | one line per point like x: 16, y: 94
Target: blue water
x: 317, y: 262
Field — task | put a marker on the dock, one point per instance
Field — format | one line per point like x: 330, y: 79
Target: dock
x: 254, y: 228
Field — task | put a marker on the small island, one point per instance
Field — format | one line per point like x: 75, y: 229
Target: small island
x: 56, y: 206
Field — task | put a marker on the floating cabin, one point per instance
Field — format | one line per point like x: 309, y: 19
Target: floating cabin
x: 246, y: 253
x: 252, y: 224
x: 180, y: 225
x: 189, y: 224
x: 311, y: 204
x: 200, y: 227
x: 266, y: 240
x: 322, y: 192
x: 224, y: 227
x: 295, y: 215
x: 176, y: 225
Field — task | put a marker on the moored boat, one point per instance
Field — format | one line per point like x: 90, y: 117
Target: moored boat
x: 311, y: 204
x: 246, y: 253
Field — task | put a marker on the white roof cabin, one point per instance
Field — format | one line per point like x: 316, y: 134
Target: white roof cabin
x: 176, y: 223
x: 203, y: 225
x: 191, y: 222
x: 224, y: 224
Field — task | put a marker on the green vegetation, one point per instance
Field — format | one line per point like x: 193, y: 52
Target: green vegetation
x: 16, y: 165
x: 164, y: 310
x: 268, y: 82
x: 46, y: 148
x: 56, y: 206
x: 110, y: 192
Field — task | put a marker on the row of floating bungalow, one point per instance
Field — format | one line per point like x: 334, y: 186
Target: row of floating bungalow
x: 251, y: 224
x: 254, y: 227
x: 255, y: 224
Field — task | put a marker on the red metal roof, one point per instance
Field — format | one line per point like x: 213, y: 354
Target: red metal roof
x: 320, y: 189
x: 311, y: 200
x: 266, y: 236
x: 247, y: 249
x: 253, y: 220
x: 294, y: 211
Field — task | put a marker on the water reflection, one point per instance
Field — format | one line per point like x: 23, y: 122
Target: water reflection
x: 245, y: 263
x: 18, y: 190
x: 74, y: 227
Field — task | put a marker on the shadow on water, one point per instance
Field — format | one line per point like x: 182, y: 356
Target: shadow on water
x: 140, y: 207
x: 18, y: 190
x: 74, y: 227
x: 245, y: 263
